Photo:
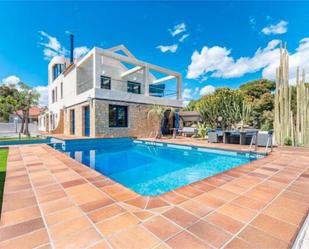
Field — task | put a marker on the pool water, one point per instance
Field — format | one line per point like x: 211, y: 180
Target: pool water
x: 154, y: 168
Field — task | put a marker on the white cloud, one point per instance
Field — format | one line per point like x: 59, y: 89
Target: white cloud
x: 171, y: 48
x: 10, y: 80
x: 183, y: 37
x: 52, y: 47
x: 177, y: 29
x: 43, y: 91
x: 80, y: 51
x: 196, y: 90
x: 187, y: 94
x: 279, y: 28
x: 252, y: 20
x: 185, y: 103
x: 206, y: 90
x: 218, y: 62
x: 300, y: 58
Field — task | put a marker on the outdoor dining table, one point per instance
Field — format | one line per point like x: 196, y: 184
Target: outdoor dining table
x: 242, y: 137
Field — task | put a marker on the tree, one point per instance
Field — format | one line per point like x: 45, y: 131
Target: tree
x: 28, y: 98
x: 225, y: 103
x: 158, y: 112
x: 252, y: 104
x: 260, y: 94
x: 5, y: 108
x: 256, y: 88
x: 191, y: 106
x: 19, y: 99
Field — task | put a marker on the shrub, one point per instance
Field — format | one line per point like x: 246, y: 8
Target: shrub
x: 288, y: 141
x: 201, y: 129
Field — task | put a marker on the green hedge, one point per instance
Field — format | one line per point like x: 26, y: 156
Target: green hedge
x: 3, y: 161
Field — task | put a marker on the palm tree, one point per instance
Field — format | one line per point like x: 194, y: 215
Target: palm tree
x: 158, y: 112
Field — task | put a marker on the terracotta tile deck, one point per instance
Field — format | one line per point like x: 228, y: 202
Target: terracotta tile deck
x: 52, y: 201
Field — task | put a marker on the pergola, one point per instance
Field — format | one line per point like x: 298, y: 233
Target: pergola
x: 190, y: 116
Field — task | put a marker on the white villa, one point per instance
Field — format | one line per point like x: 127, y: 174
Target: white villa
x: 108, y: 93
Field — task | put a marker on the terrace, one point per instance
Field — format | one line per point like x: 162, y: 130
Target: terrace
x: 53, y: 201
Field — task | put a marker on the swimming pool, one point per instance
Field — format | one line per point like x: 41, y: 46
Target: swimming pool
x: 152, y: 168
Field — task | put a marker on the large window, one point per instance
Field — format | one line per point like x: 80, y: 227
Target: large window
x: 57, y: 70
x: 53, y: 96
x: 61, y: 90
x: 72, y: 121
x: 118, y: 116
x: 105, y: 82
x: 134, y: 87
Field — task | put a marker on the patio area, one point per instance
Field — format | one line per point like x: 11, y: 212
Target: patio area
x: 53, y: 201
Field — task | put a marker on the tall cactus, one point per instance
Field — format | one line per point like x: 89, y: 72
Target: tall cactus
x: 287, y: 124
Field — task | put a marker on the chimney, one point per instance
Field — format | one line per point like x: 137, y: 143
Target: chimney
x: 71, y: 48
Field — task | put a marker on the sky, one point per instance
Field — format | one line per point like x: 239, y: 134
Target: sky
x: 211, y: 43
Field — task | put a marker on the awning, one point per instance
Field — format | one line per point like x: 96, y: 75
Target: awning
x: 190, y: 116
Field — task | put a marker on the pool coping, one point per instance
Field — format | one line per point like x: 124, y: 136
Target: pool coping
x: 202, y: 146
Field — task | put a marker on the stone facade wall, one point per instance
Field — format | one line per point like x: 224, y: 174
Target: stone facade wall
x: 139, y: 125
x: 79, y: 118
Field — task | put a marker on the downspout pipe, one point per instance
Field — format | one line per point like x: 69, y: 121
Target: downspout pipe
x: 71, y: 48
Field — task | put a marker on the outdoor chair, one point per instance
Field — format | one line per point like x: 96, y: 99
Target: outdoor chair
x: 250, y: 133
x: 212, y: 137
x: 215, y: 136
x: 188, y: 131
x: 234, y: 137
x: 262, y: 139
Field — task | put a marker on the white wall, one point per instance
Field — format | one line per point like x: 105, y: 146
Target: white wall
x: 75, y: 91
x: 8, y: 129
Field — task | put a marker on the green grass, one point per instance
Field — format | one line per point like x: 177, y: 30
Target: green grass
x: 4, y: 139
x: 3, y: 161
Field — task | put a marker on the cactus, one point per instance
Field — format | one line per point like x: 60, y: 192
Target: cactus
x: 288, y: 125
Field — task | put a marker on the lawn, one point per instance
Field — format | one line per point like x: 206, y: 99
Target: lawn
x: 3, y: 160
x: 5, y: 139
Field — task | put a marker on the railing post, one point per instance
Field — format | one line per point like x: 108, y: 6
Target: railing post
x: 179, y: 83
x: 146, y: 80
x: 94, y: 67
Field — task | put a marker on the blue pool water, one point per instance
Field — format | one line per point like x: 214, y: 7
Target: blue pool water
x: 152, y: 169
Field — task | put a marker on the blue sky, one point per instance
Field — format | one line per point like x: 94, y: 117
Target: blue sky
x: 223, y: 43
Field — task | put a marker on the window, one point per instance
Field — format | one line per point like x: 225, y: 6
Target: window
x: 105, y: 82
x: 134, y: 87
x: 57, y: 70
x: 53, y: 96
x: 61, y: 90
x: 56, y: 94
x: 72, y: 119
x: 118, y: 116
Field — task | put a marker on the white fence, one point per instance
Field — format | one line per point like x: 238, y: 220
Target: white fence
x: 13, y: 129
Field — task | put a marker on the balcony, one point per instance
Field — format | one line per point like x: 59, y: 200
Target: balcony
x: 131, y: 80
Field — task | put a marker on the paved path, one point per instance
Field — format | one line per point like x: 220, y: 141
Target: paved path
x: 52, y: 201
